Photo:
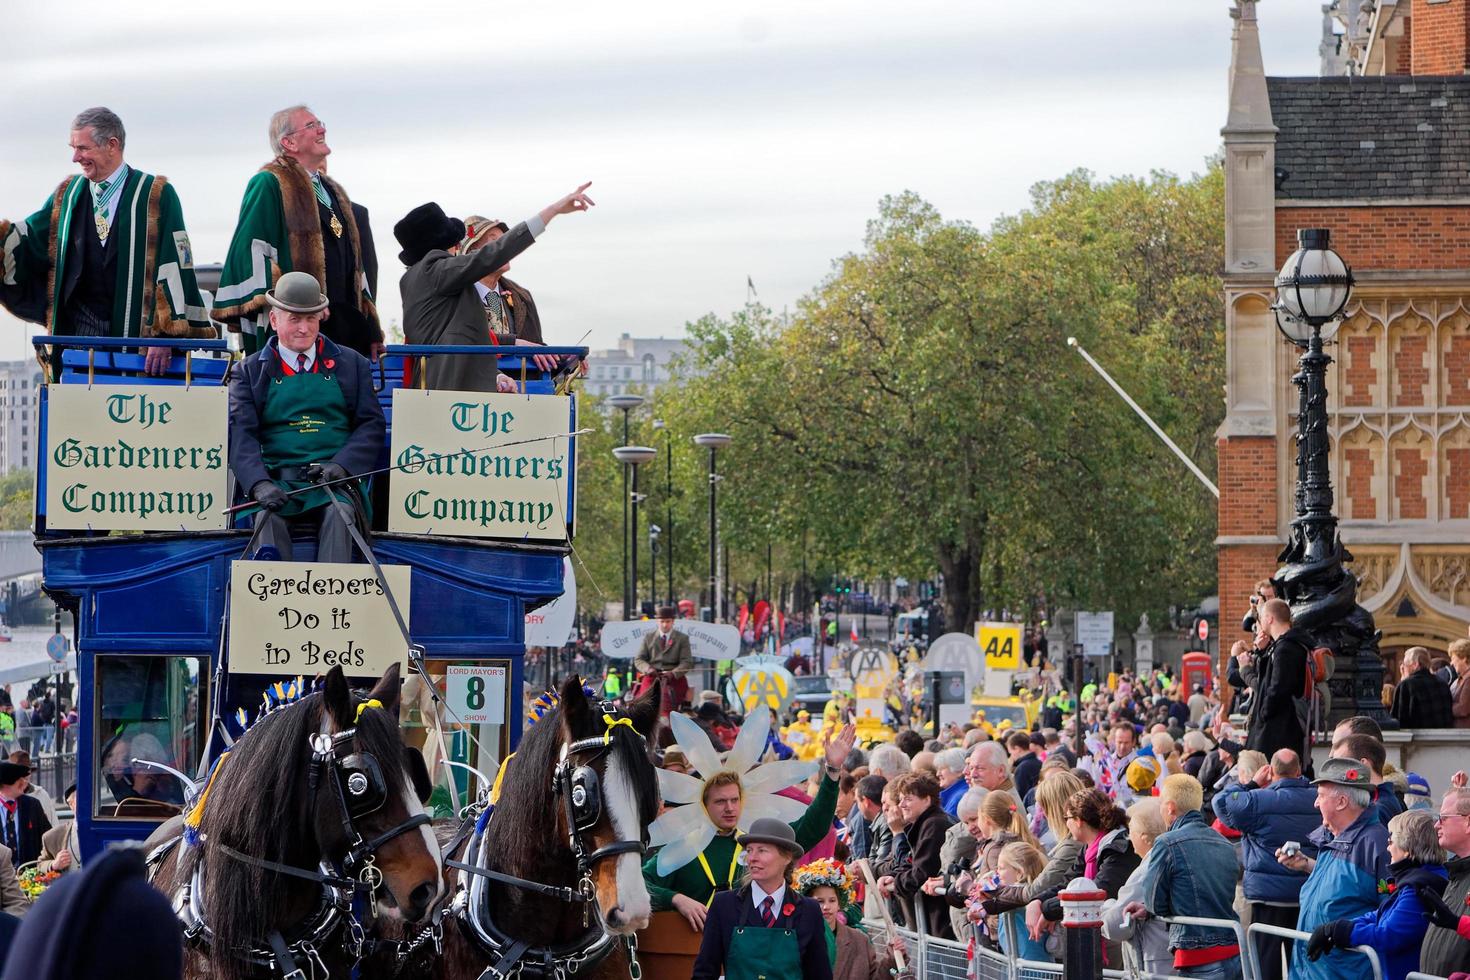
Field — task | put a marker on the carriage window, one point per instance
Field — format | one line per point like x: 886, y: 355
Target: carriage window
x: 148, y: 708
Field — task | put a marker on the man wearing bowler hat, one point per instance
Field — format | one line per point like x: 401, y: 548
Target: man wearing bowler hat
x: 765, y: 929
x: 303, y: 412
x: 22, y: 818
x: 440, y: 304
x: 665, y: 653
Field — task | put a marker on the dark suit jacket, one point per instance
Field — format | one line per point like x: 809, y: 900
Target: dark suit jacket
x: 731, y: 909
x: 248, y: 388
x: 441, y: 307
x: 31, y: 823
x: 369, y: 253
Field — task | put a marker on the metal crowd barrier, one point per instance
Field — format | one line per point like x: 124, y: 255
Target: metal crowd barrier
x: 1299, y: 936
x: 1247, y: 965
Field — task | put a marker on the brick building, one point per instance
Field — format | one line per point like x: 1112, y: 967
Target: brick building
x: 1378, y: 151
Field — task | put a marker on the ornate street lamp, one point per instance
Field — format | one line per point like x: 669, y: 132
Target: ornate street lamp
x: 713, y: 441
x: 1312, y: 290
x: 625, y: 404
x: 632, y: 457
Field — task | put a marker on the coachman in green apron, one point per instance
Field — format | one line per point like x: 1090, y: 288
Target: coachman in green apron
x: 765, y: 930
x: 303, y: 411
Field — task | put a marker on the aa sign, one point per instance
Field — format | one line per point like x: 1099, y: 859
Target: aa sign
x: 1001, y: 644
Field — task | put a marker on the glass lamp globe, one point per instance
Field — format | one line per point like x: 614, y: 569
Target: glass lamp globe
x: 1312, y: 288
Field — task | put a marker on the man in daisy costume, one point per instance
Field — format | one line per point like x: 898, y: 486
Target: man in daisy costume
x: 698, y: 853
x: 107, y: 255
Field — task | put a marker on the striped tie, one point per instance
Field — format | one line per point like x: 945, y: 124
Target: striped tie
x: 767, y: 912
x: 321, y: 192
x: 300, y: 362
x: 99, y: 209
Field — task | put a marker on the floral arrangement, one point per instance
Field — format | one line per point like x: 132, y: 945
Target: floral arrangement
x: 828, y: 872
x: 33, y: 881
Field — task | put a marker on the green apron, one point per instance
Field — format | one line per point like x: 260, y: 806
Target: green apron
x: 304, y: 421
x: 760, y: 953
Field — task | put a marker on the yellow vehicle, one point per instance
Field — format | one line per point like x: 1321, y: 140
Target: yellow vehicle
x: 1018, y: 712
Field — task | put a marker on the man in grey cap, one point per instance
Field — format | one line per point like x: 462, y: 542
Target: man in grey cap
x: 303, y: 412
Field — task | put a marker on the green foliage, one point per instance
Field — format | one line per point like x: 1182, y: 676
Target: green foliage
x: 921, y: 411
x: 17, y: 509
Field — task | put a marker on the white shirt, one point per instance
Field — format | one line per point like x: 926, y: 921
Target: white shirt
x: 758, y: 895
x: 289, y: 357
x: 110, y: 208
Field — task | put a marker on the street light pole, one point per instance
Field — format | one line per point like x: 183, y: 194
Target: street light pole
x: 668, y: 503
x: 633, y: 457
x: 1312, y: 290
x: 625, y: 404
x: 653, y: 533
x: 713, y: 441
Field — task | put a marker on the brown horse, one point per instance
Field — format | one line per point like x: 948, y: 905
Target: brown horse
x: 312, y: 825
x: 563, y: 846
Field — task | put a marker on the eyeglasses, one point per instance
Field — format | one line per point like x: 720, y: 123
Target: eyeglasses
x: 1440, y: 818
x: 314, y: 124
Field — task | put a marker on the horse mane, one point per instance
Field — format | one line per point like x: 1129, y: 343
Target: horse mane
x: 525, y: 836
x: 260, y: 804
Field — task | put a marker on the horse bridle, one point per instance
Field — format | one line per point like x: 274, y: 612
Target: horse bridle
x: 580, y: 788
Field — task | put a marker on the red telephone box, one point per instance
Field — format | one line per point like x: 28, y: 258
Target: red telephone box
x: 1197, y: 668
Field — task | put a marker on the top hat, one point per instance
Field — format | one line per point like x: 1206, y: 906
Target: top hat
x: 297, y: 292
x: 769, y: 830
x: 666, y: 612
x: 476, y: 228
x: 424, y: 229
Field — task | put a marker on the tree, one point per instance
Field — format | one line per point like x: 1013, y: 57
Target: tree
x: 17, y: 501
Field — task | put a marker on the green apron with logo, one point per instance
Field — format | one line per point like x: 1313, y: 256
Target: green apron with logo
x: 304, y: 421
x: 758, y: 952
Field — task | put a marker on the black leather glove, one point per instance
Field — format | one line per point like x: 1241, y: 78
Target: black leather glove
x: 1439, y: 913
x: 268, y: 495
x: 329, y: 473
x: 1326, y: 936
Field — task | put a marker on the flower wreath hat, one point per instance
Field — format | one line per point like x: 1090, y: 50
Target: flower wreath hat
x: 825, y: 871
x: 684, y: 831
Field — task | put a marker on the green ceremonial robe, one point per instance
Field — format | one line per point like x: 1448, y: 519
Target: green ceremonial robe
x: 156, y: 293
x: 279, y: 230
x: 691, y: 880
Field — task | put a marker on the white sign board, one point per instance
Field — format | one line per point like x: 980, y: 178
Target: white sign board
x: 551, y: 625
x: 708, y: 641
x: 480, y: 465
x: 1095, y: 633
x: 136, y: 458
x: 956, y: 651
x: 476, y: 693
x: 290, y: 618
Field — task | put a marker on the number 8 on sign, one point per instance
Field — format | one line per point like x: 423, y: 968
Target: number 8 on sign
x: 476, y: 692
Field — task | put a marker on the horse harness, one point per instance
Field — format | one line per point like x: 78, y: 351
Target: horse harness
x: 357, y: 783
x: 579, y: 787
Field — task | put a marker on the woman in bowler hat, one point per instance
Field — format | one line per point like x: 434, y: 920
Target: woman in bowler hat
x: 765, y: 930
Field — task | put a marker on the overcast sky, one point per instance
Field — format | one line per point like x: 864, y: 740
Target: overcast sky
x: 722, y: 142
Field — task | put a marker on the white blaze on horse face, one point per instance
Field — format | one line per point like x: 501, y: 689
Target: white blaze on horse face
x: 414, y: 807
x: 622, y: 803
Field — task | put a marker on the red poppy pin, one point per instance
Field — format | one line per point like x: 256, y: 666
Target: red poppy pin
x: 329, y: 363
x: 1351, y: 774
x: 788, y: 908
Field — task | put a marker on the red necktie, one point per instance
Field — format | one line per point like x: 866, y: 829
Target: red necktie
x: 767, y: 912
x: 301, y: 362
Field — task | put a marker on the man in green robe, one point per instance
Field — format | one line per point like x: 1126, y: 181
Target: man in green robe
x: 690, y: 889
x: 295, y: 218
x: 107, y: 255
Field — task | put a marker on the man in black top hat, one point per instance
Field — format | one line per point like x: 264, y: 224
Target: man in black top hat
x: 22, y: 818
x: 665, y: 653
x: 440, y: 305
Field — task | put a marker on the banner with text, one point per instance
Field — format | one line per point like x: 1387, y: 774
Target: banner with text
x: 480, y: 465
x: 305, y: 618
x: 135, y: 458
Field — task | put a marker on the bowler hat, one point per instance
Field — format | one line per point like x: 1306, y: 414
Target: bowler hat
x: 1345, y: 772
x: 297, y: 292
x: 769, y: 830
x: 666, y: 612
x: 10, y: 773
x: 476, y: 228
x: 424, y: 229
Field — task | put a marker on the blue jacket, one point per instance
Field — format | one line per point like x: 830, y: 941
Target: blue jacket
x: 1192, y: 870
x: 1396, y: 928
x: 1269, y: 818
x: 1343, y: 885
x: 949, y: 798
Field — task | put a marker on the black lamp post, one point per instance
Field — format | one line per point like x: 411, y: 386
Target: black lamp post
x: 625, y: 404
x: 713, y: 441
x: 653, y: 532
x: 668, y: 503
x: 632, y: 457
x: 1312, y: 291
